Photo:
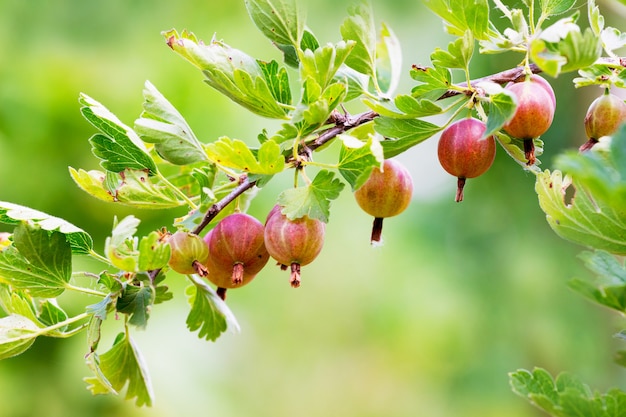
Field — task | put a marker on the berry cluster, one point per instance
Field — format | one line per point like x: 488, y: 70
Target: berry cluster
x: 232, y: 253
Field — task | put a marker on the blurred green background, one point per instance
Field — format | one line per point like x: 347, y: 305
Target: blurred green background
x: 427, y: 325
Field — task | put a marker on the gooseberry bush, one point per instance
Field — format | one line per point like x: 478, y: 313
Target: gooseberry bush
x: 159, y: 163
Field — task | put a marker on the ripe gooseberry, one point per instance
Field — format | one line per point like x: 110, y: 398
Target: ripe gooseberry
x: 189, y: 253
x: 464, y: 152
x: 533, y: 116
x: 386, y: 193
x: 603, y: 117
x: 293, y: 243
x: 236, y: 251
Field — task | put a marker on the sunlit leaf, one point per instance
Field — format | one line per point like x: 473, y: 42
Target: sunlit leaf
x: 153, y: 252
x: 434, y: 82
x: 163, y: 125
x: 555, y: 7
x: 121, y: 246
x: 312, y: 200
x: 357, y: 158
x: 118, y: 146
x: 17, y: 334
x: 39, y: 261
x: 388, y: 60
x: 462, y: 15
x: 323, y: 63
x: 277, y: 80
x: 281, y: 21
x: 234, y: 153
x: 458, y: 55
x: 359, y: 27
x: 585, y: 220
x: 80, y: 240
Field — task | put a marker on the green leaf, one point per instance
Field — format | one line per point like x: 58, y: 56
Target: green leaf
x: 458, y: 55
x: 404, y: 107
x: 502, y: 105
x: 601, y: 74
x: 355, y: 82
x: 209, y: 313
x: 14, y: 214
x: 359, y: 27
x: 515, y: 149
x: 39, y: 261
x: 555, y: 7
x: 132, y: 188
x: 118, y: 146
x: 388, y: 60
x: 52, y: 314
x: 163, y: 125
x: 323, y: 63
x: 565, y: 48
x: 277, y: 80
x: 153, y: 252
x: 462, y: 15
x: 434, y: 82
x: 612, y: 39
x: 135, y: 301
x: 312, y: 200
x: 122, y: 365
x: 17, y: 334
x: 309, y: 41
x: 281, y: 21
x: 586, y: 220
x: 403, y: 134
x: 121, y: 247
x: 596, y: 20
x: 566, y: 395
x: 234, y: 153
x: 357, y: 157
x: 230, y: 71
x: 609, y: 287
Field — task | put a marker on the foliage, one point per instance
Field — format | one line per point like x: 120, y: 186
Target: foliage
x: 159, y: 163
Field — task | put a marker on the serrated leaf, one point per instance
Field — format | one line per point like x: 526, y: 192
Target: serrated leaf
x: 610, y: 271
x: 601, y: 74
x: 309, y: 41
x: 80, y: 240
x: 574, y: 50
x: 565, y: 396
x: 208, y: 313
x: 277, y: 80
x: 434, y: 82
x: 612, y: 39
x: 402, y: 134
x: 118, y: 146
x: 17, y: 334
x: 122, y: 366
x: 403, y: 107
x: 137, y: 189
x: 312, y: 200
x: 135, y: 301
x: 323, y: 63
x: 458, y: 55
x: 388, y: 61
x: 230, y: 71
x: 462, y: 15
x: 357, y: 158
x: 587, y: 220
x: 39, y: 261
x: 359, y: 27
x: 153, y: 252
x: 281, y: 21
x: 161, y: 124
x: 234, y: 153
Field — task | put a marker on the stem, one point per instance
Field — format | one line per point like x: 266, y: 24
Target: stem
x: 459, y: 190
x: 178, y: 192
x: 43, y: 331
x: 245, y: 184
x: 505, y: 10
x: 377, y: 230
x: 99, y: 257
x: 84, y: 290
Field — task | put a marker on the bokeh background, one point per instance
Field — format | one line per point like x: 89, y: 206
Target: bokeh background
x: 427, y: 325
